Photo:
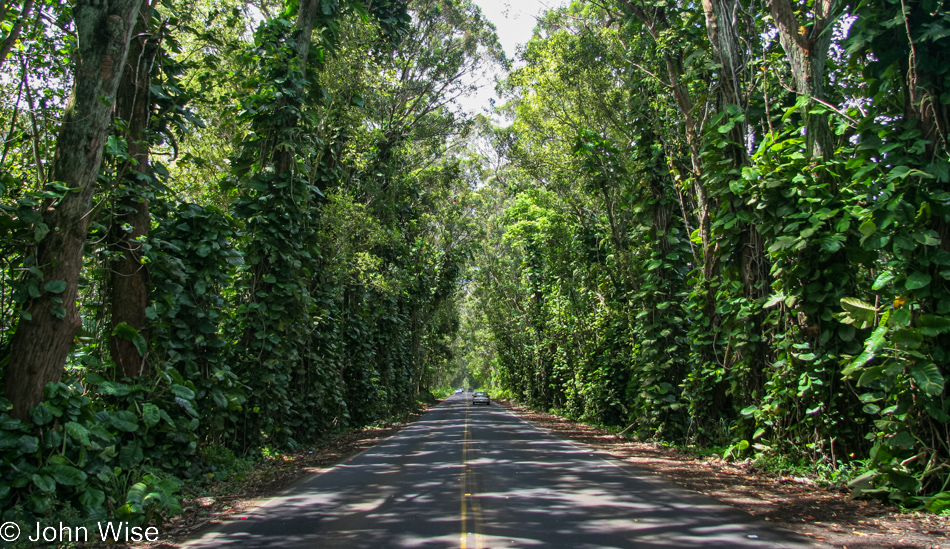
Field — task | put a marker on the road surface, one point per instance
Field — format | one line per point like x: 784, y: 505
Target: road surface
x: 476, y: 477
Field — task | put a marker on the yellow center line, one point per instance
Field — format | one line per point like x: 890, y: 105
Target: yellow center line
x: 469, y: 497
x: 464, y: 537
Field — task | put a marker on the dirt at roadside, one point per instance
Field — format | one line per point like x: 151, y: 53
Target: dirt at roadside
x: 798, y: 504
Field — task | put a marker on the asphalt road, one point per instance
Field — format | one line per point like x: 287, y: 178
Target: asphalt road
x: 479, y: 477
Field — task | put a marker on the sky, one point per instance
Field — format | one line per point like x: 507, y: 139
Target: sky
x: 514, y: 21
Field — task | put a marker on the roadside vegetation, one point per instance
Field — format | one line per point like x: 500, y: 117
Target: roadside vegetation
x: 725, y: 224
x: 229, y: 231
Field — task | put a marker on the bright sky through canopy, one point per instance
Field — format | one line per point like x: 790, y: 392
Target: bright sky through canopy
x: 514, y: 21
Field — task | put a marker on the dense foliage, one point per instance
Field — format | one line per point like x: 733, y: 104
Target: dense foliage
x: 726, y: 223
x: 266, y: 251
x: 232, y: 228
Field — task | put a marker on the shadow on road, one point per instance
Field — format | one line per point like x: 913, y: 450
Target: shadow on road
x: 509, y: 483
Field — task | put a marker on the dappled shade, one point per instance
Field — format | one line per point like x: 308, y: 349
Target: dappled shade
x: 532, y: 490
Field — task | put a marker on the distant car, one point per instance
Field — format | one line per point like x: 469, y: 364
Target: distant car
x: 457, y: 391
x: 481, y: 397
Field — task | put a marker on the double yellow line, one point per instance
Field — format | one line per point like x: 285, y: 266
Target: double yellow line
x: 469, y: 497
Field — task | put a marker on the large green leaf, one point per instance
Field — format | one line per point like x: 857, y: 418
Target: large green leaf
x: 65, y: 474
x: 867, y: 228
x: 774, y: 300
x: 904, y: 482
x: 182, y: 391
x: 928, y: 378
x: 883, y: 280
x: 140, y: 344
x: 932, y: 325
x: 44, y: 482
x: 28, y: 444
x: 917, y: 281
x: 41, y: 415
x: 938, y: 502
x: 870, y: 375
x: 114, y: 388
x: 92, y: 497
x: 187, y: 406
x: 79, y: 433
x: 124, y: 331
x: 124, y: 421
x: 907, y: 338
x: 151, y: 414
x: 857, y: 312
x: 55, y: 286
x: 130, y: 455
x: 876, y: 342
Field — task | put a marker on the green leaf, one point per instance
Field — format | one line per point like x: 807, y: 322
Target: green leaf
x: 66, y: 474
x: 876, y: 342
x: 870, y: 375
x: 867, y: 228
x: 41, y: 415
x: 124, y: 421
x: 92, y: 497
x: 774, y: 300
x: 28, y: 444
x: 55, y: 286
x: 904, y: 482
x: 79, y: 433
x: 883, y: 280
x: 782, y: 243
x: 917, y: 281
x: 932, y: 325
x: 871, y: 408
x: 125, y: 331
x: 151, y: 414
x: 908, y: 338
x: 928, y: 378
x: 941, y: 257
x: 205, y: 326
x: 182, y: 391
x: 938, y: 502
x: 114, y: 388
x: 40, y: 230
x: 859, y: 313
x: 186, y: 405
x: 131, y: 455
x: 44, y: 482
x: 140, y: 344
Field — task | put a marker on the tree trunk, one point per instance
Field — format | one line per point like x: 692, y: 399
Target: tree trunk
x: 806, y: 44
x: 129, y: 277
x: 285, y: 157
x: 45, y: 333
x: 722, y: 21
